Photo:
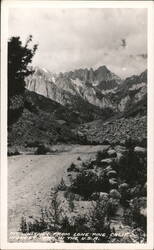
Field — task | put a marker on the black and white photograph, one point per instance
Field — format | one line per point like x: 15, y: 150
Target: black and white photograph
x: 77, y: 81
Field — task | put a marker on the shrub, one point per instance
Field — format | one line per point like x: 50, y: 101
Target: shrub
x: 72, y: 167
x: 12, y: 152
x: 99, y: 219
x: 38, y: 225
x: 78, y: 225
x: 84, y: 184
x: 62, y: 185
x: 42, y: 149
x: 23, y: 225
x: 131, y: 168
x: 88, y: 182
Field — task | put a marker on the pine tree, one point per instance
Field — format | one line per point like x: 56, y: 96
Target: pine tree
x: 19, y: 57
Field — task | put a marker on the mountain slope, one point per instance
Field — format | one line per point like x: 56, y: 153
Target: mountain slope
x: 40, y: 119
x: 92, y: 90
x: 132, y: 93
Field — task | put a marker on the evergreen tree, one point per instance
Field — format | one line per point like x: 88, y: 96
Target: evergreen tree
x: 19, y: 57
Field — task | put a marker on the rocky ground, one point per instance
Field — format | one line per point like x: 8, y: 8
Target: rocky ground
x: 114, y: 131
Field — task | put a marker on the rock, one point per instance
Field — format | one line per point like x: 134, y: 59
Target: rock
x: 143, y: 211
x: 103, y: 196
x: 113, y: 183
x: 108, y: 168
x: 114, y: 193
x: 140, y: 150
x: 111, y: 173
x: 135, y: 190
x: 112, y: 153
x: 119, y: 158
x: 107, y: 161
x: 121, y: 149
x: 123, y: 186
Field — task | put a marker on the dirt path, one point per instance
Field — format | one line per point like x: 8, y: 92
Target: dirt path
x: 30, y: 178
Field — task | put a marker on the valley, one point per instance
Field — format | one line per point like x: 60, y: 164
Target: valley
x: 77, y: 147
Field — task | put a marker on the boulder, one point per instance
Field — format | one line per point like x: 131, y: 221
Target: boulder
x: 106, y: 162
x: 114, y: 193
x: 113, y: 183
x: 108, y: 168
x: 119, y: 158
x: 103, y: 196
x: 140, y: 151
x: 111, y: 173
x: 112, y: 153
x: 135, y: 190
x: 123, y: 186
x: 121, y: 149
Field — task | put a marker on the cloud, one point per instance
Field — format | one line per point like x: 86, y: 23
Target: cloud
x: 75, y: 38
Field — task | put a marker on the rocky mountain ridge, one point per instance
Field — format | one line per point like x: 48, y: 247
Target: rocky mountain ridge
x: 100, y: 88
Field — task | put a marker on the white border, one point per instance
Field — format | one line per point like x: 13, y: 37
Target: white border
x: 6, y: 4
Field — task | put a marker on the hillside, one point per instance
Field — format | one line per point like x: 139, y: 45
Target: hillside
x: 39, y: 119
x: 115, y: 131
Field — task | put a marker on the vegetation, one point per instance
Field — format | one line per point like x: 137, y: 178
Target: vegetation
x: 19, y: 57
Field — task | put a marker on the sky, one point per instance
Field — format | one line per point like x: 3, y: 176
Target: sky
x: 83, y: 38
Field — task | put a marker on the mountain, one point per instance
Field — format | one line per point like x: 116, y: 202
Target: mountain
x: 131, y: 94
x: 74, y: 87
x: 94, y: 89
x: 131, y: 122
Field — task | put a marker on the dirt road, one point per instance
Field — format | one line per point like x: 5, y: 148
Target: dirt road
x: 30, y: 178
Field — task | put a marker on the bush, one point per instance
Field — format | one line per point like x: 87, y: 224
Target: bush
x: 62, y: 185
x: 23, y: 225
x: 88, y: 182
x: 99, y: 219
x: 84, y: 184
x: 131, y: 169
x: 42, y: 149
x: 12, y: 152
